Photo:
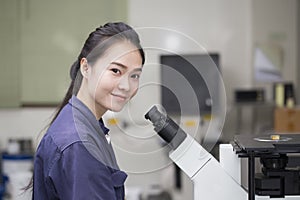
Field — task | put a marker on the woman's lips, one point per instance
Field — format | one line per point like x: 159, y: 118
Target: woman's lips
x: 120, y: 97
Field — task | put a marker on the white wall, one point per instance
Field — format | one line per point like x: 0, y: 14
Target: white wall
x: 23, y: 123
x: 230, y: 27
x: 217, y: 25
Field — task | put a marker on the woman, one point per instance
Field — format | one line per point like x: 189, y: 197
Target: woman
x: 75, y: 159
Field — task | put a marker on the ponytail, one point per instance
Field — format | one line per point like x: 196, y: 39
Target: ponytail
x: 73, y: 89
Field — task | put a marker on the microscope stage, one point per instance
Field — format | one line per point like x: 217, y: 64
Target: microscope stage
x: 279, y: 143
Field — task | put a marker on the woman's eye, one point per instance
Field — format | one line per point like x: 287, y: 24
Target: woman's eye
x: 135, y: 76
x: 116, y: 71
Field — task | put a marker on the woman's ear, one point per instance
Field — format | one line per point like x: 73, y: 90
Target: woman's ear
x: 84, y: 67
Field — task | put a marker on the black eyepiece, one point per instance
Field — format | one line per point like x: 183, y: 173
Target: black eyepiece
x: 166, y: 127
x: 153, y: 114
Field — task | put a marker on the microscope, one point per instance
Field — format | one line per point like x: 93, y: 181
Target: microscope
x: 214, y: 181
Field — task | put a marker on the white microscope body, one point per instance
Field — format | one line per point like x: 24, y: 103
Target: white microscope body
x: 211, y: 180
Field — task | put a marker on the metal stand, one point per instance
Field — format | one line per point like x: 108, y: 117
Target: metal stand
x: 251, y: 176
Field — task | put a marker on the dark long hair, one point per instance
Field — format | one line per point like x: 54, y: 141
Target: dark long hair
x: 94, y: 47
x: 97, y: 43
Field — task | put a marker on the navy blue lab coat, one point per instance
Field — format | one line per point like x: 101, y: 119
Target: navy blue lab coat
x: 74, y: 161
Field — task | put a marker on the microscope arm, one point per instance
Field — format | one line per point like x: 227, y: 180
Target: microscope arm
x: 210, y: 180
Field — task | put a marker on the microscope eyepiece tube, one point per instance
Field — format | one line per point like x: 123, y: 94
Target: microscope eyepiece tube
x: 166, y: 128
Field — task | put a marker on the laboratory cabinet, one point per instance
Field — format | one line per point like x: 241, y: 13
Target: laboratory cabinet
x: 9, y: 54
x: 39, y: 42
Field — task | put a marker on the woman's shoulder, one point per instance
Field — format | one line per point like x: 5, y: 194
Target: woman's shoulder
x: 57, y: 140
x: 64, y: 130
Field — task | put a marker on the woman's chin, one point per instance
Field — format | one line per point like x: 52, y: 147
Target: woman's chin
x: 116, y: 109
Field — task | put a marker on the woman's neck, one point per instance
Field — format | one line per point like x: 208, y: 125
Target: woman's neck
x: 91, y: 104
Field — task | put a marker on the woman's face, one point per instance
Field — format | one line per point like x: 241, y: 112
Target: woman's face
x: 114, y: 78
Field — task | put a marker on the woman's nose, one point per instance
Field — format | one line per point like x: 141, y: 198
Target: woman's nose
x: 124, y: 84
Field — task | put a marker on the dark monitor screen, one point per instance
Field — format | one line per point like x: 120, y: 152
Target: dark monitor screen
x: 185, y: 80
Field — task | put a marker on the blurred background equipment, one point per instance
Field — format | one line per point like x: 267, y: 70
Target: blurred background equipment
x: 17, y: 166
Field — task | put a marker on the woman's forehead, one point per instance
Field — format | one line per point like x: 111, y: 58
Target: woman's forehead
x: 118, y: 49
x: 124, y: 53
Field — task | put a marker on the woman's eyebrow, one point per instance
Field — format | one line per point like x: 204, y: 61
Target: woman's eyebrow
x: 125, y: 67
